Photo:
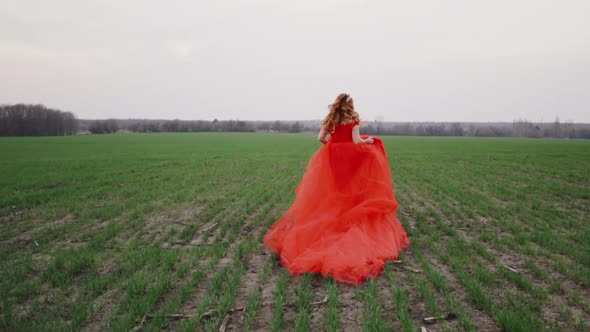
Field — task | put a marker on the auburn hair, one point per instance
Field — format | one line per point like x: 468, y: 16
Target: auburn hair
x: 341, y: 112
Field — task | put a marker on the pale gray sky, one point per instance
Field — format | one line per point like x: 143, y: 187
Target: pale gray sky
x: 438, y: 60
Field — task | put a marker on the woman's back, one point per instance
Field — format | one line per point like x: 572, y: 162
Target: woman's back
x: 342, y: 133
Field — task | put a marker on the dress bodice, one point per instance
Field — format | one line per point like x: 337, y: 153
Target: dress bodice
x: 342, y: 133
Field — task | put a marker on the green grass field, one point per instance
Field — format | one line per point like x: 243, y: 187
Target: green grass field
x: 164, y: 232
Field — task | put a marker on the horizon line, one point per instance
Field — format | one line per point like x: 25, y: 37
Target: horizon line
x: 316, y: 120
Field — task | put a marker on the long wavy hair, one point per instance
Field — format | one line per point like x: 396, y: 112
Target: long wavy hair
x: 341, y: 112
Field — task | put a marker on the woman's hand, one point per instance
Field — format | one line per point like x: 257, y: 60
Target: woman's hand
x: 322, y: 136
x: 369, y: 140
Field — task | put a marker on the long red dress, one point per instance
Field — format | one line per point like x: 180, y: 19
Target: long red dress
x: 343, y: 222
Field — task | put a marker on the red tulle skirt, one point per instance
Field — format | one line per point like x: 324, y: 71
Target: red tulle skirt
x: 343, y: 222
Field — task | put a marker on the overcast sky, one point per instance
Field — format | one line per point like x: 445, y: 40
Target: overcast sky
x: 439, y: 60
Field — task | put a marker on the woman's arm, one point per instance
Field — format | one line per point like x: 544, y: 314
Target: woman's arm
x: 322, y: 136
x: 356, y: 136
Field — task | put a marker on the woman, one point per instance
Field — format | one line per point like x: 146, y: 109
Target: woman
x: 343, y: 220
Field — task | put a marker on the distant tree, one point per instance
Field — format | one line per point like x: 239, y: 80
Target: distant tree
x: 379, y: 124
x: 582, y: 133
x: 111, y: 126
x: 96, y: 127
x: 277, y: 126
x: 172, y: 126
x: 103, y: 126
x: 525, y: 128
x: 556, y: 128
x: 568, y: 130
x: 456, y: 129
x: 405, y: 129
x: 296, y: 127
x: 434, y: 130
x: 265, y: 126
x: 485, y: 132
x: 35, y: 120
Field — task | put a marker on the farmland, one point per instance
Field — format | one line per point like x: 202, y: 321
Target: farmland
x: 164, y: 232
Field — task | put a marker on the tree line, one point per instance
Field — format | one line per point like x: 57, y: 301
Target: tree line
x: 518, y: 128
x: 36, y: 120
x: 156, y: 126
